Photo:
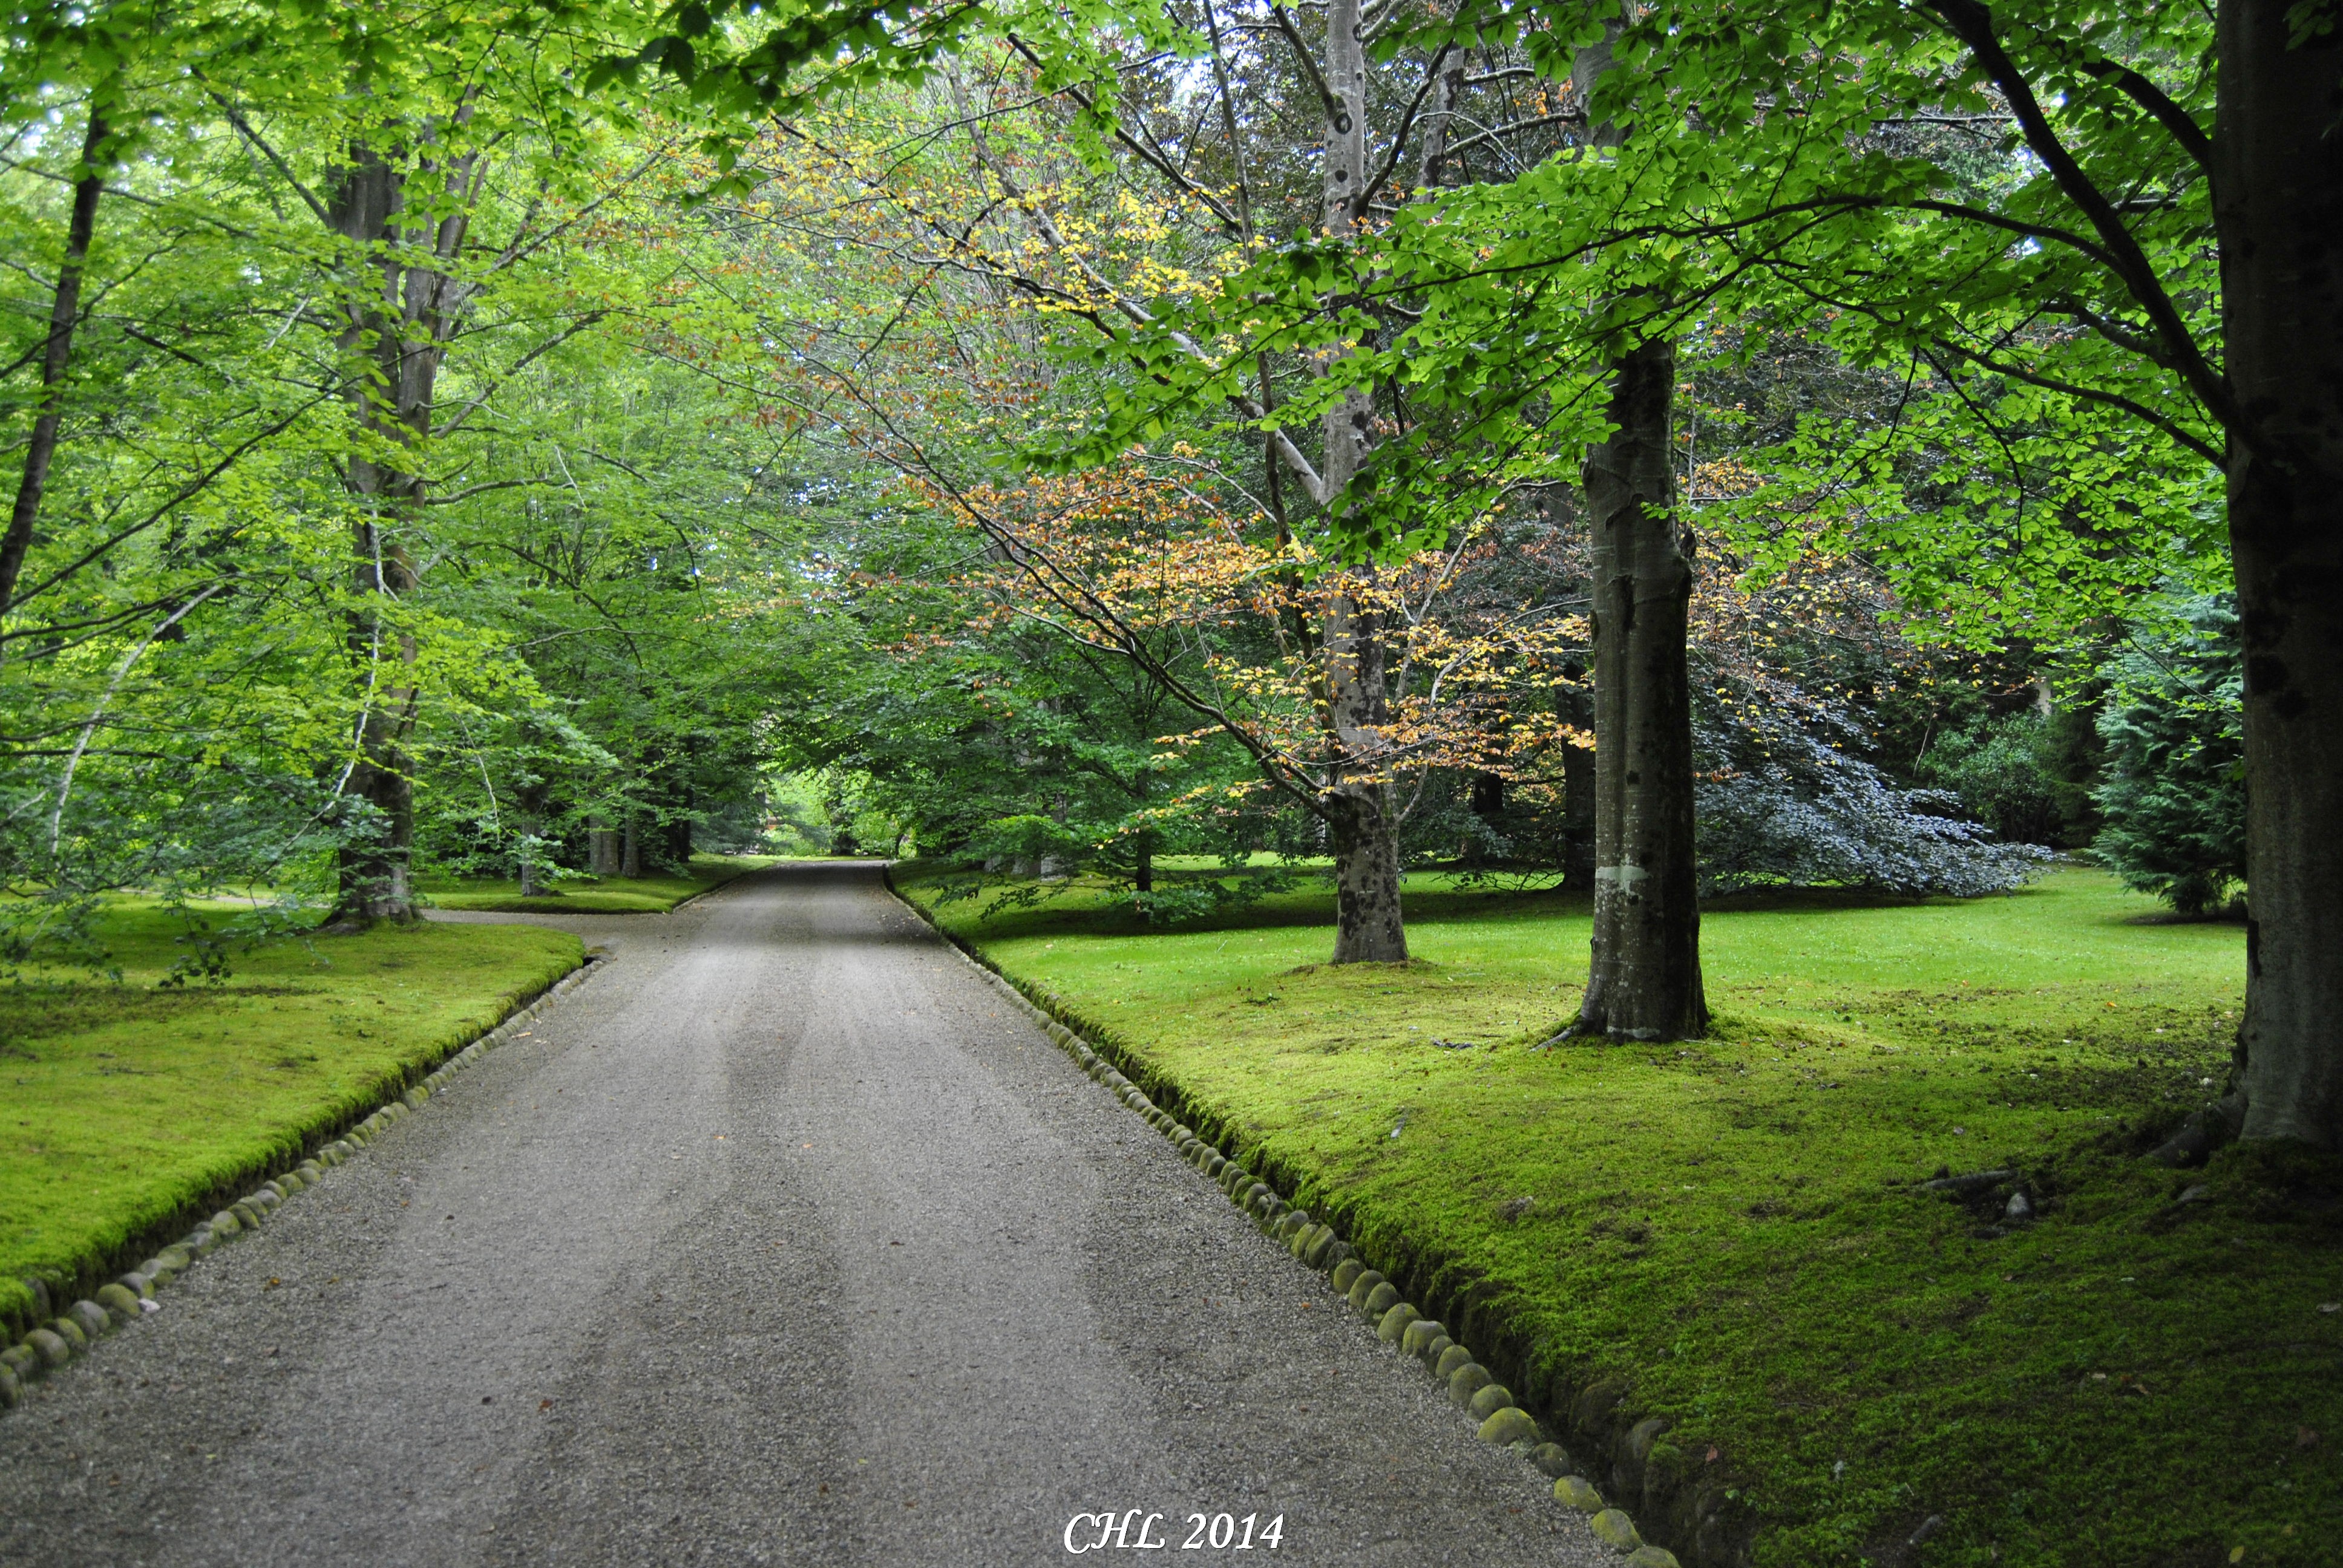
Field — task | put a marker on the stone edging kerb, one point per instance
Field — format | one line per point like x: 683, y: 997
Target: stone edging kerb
x: 1471, y: 1386
x: 131, y: 1297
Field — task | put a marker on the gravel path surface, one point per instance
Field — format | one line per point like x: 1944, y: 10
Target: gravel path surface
x: 784, y: 1239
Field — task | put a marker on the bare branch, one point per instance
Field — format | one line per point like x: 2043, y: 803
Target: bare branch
x: 1973, y: 25
x: 1152, y: 155
x: 1398, y: 137
x: 283, y: 170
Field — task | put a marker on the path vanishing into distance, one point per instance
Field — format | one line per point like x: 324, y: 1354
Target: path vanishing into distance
x: 783, y: 1239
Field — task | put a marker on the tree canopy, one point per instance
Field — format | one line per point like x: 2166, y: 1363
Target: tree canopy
x: 520, y: 438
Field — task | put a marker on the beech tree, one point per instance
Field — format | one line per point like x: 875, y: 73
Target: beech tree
x: 2117, y: 221
x: 304, y: 312
x: 433, y: 175
x: 2174, y: 222
x: 1387, y: 127
x: 1022, y: 229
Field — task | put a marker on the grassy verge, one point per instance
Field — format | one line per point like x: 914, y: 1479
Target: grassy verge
x: 1731, y: 1234
x: 592, y: 895
x: 126, y: 1109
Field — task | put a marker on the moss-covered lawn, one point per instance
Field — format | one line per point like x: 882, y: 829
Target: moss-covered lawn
x: 591, y: 895
x: 122, y: 1107
x: 1735, y: 1227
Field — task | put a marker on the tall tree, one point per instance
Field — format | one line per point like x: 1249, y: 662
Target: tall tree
x: 2277, y: 176
x: 1643, y: 976
x: 1290, y: 96
x: 426, y: 137
x: 2046, y: 210
x: 1369, y: 928
x: 1317, y: 101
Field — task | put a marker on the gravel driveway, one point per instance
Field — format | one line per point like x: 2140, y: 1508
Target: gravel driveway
x: 784, y: 1239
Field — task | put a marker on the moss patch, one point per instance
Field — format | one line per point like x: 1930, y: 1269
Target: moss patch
x: 125, y: 1108
x: 591, y: 895
x: 1735, y: 1231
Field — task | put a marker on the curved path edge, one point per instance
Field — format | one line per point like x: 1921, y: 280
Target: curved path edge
x: 1397, y: 1323
x: 75, y: 1329
x: 785, y: 1242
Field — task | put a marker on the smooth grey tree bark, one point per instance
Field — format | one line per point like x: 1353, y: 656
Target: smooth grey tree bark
x: 2277, y: 203
x: 1363, y: 833
x: 1644, y: 981
x: 1361, y: 826
x: 1643, y: 970
x: 603, y: 854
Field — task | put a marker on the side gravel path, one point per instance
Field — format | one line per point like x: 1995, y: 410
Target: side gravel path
x: 786, y: 1239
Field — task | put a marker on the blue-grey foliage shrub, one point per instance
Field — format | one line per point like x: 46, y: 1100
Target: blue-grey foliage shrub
x: 1784, y: 802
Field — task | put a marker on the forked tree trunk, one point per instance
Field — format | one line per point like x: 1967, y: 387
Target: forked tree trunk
x: 1360, y: 822
x: 1644, y: 981
x: 404, y: 307
x: 2278, y: 203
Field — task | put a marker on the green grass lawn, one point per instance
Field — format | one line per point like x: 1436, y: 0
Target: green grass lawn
x: 124, y: 1109
x: 591, y: 895
x: 1733, y: 1229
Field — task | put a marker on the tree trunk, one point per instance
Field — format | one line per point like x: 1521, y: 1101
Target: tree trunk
x: 1368, y: 928
x: 1053, y: 867
x: 534, y: 802
x: 56, y: 359
x: 372, y: 868
x: 2278, y: 203
x: 1367, y: 925
x: 1143, y: 876
x: 373, y: 882
x: 1485, y: 798
x: 631, y: 851
x: 602, y: 852
x: 1644, y: 980
x: 402, y: 308
x: 1488, y: 796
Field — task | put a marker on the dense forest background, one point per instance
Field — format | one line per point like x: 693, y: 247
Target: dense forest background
x: 436, y: 452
